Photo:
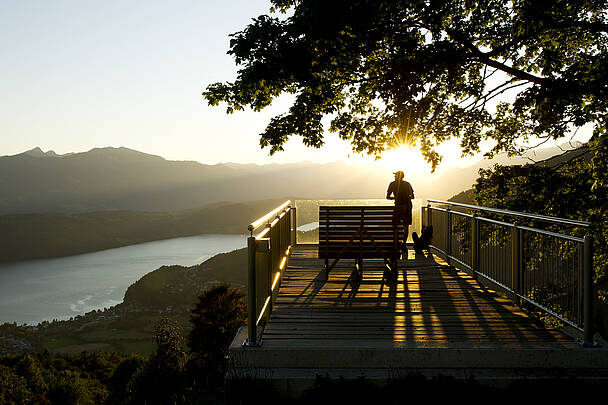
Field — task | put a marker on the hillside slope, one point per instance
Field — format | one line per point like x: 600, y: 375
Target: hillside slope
x: 467, y: 196
x: 169, y: 291
x: 38, y: 236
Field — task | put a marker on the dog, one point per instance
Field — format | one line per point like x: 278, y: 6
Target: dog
x: 423, y: 241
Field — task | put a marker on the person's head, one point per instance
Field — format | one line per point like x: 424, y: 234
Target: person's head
x: 399, y: 175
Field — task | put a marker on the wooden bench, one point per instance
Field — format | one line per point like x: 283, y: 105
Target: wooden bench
x: 357, y: 232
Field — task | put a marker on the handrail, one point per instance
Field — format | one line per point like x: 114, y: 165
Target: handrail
x: 550, y: 271
x: 263, y: 220
x: 545, y: 218
x: 267, y: 258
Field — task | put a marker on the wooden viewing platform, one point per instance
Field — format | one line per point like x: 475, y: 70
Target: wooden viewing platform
x: 429, y: 317
x: 433, y: 320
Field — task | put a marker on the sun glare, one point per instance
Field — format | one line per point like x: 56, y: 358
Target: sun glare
x: 405, y: 158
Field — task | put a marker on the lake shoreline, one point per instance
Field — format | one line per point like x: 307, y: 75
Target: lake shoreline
x: 2, y: 263
x: 167, y: 292
x: 33, y: 291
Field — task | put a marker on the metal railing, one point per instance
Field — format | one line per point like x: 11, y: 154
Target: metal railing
x: 550, y: 271
x: 267, y: 258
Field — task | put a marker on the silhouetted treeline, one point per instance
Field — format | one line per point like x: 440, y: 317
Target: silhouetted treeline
x: 180, y: 370
x: 38, y: 236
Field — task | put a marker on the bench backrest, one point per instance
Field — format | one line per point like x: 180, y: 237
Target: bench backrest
x: 338, y: 224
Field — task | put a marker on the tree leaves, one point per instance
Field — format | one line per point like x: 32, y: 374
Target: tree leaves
x: 389, y: 73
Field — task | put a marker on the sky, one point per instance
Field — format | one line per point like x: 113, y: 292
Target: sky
x: 77, y: 75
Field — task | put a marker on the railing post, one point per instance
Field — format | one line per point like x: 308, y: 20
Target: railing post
x: 422, y: 215
x: 275, y: 252
x: 515, y: 262
x: 281, y: 217
x: 475, y: 245
x: 294, y: 224
x: 285, y: 232
x: 449, y: 235
x: 263, y: 270
x: 581, y: 282
x: 251, y: 296
x: 588, y: 291
x: 429, y: 215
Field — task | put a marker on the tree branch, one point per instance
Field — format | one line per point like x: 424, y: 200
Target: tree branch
x: 520, y: 74
x: 493, y: 93
x: 485, y: 58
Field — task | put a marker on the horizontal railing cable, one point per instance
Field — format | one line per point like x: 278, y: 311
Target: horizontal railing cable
x: 544, y: 218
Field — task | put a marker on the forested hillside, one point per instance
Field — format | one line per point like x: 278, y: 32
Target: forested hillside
x: 37, y: 236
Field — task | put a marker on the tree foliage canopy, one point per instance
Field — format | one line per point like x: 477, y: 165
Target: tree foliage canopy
x: 216, y: 317
x: 390, y: 73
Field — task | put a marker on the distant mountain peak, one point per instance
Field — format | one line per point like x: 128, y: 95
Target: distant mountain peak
x: 37, y: 152
x: 120, y: 152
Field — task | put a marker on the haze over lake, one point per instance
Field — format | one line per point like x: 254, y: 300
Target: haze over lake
x: 37, y: 290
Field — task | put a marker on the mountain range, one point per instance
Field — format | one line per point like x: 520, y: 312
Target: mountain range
x: 105, y: 179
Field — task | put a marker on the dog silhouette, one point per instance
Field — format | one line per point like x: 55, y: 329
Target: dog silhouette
x: 423, y: 241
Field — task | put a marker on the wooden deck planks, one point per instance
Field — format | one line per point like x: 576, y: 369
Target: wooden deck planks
x: 429, y: 302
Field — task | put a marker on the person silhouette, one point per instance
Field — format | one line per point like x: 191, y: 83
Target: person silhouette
x: 402, y: 192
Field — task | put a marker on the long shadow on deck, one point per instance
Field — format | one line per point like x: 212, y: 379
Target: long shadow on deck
x: 429, y: 302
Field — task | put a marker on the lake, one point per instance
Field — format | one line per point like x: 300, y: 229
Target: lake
x: 37, y: 290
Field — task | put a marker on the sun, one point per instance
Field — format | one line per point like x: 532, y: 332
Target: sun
x: 405, y: 158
